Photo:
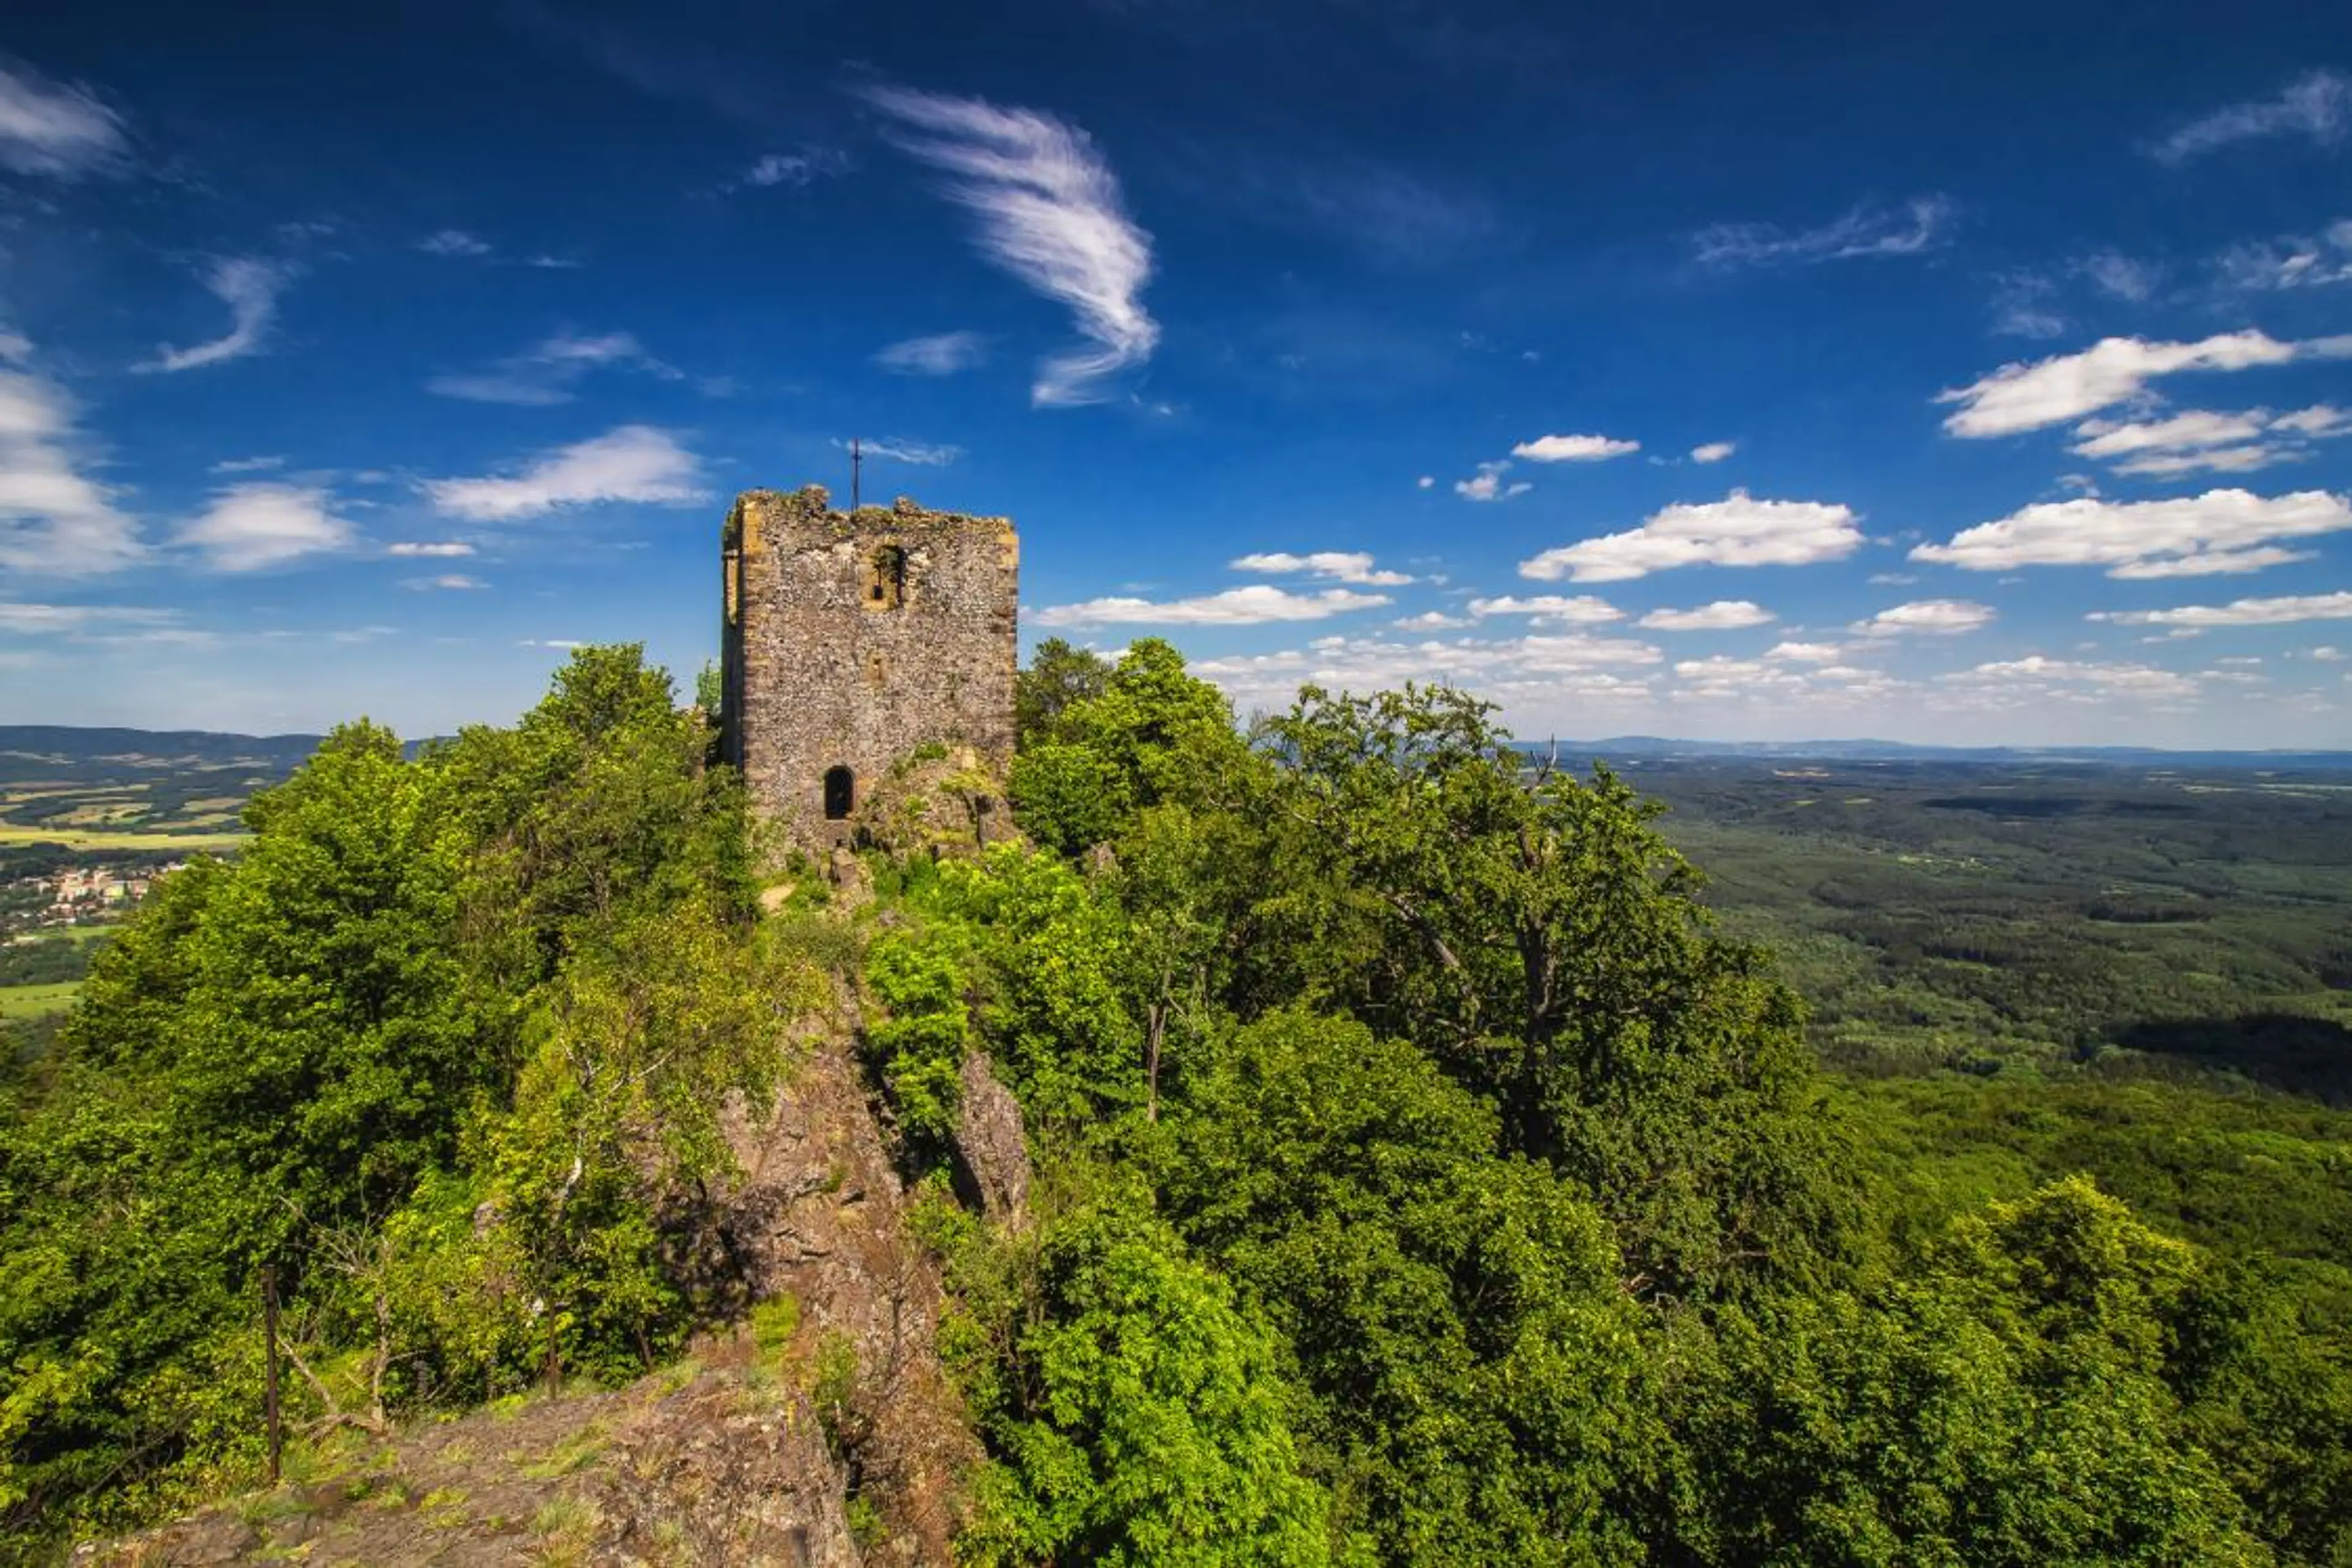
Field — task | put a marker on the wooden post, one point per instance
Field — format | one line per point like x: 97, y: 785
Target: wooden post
x: 269, y: 1364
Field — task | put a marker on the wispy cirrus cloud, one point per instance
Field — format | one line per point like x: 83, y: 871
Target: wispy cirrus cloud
x: 2315, y: 106
x: 411, y: 548
x: 1260, y: 604
x: 1050, y: 213
x: 2220, y: 532
x: 56, y: 129
x: 941, y: 353
x: 54, y: 518
x: 635, y: 463
x: 250, y: 286
x: 251, y: 527
x: 1737, y: 530
x: 2291, y: 261
x: 454, y: 242
x: 550, y: 371
x: 789, y: 171
x: 922, y: 455
x: 1920, y: 225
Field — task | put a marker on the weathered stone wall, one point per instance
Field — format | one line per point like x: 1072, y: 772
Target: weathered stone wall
x: 852, y: 639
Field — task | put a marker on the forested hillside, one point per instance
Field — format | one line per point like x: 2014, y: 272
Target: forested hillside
x: 1419, y: 1172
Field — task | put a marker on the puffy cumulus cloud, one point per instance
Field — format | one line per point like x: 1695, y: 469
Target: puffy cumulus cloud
x: 429, y: 548
x: 1713, y: 451
x: 1739, y: 531
x: 550, y: 371
x: 2222, y: 531
x: 2291, y: 261
x: 633, y: 463
x: 1050, y: 214
x: 1806, y: 652
x: 1489, y: 485
x: 2031, y: 396
x: 56, y: 129
x: 1256, y: 605
x: 1340, y: 565
x: 941, y: 353
x: 1921, y: 224
x: 1940, y: 617
x: 54, y: 518
x: 1575, y: 666
x: 2316, y: 106
x: 1583, y: 609
x: 1439, y: 621
x: 2199, y: 439
x: 1723, y: 616
x: 2045, y: 674
x: 1573, y: 448
x: 250, y: 286
x: 2237, y: 613
x: 251, y: 527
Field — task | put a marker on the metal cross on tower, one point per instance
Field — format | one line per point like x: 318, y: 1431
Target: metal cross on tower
x: 856, y: 461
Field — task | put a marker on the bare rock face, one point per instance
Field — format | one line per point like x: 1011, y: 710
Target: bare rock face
x: 991, y: 1145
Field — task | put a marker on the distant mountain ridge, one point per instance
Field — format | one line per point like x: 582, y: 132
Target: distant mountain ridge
x: 72, y: 745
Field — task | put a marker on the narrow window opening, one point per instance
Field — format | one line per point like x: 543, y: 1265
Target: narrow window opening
x: 840, y: 793
x: 886, y: 579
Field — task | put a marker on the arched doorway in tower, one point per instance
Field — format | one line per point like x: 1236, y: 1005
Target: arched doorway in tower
x: 840, y: 793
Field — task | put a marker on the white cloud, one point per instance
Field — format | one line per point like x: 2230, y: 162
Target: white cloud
x: 1806, y: 652
x: 2316, y: 105
x: 2105, y: 438
x: 2019, y: 398
x: 1941, y: 617
x: 1255, y: 605
x: 1723, y: 616
x: 2325, y: 653
x: 943, y: 353
x: 2212, y: 563
x: 1439, y: 621
x: 2034, y: 670
x: 1340, y: 565
x: 1737, y: 530
x: 2129, y: 537
x: 1573, y: 448
x: 452, y: 581
x: 1489, y: 485
x: 19, y: 619
x: 1921, y: 224
x: 1713, y: 451
x: 918, y: 453
x: 250, y: 527
x: 549, y: 372
x: 2238, y: 612
x: 1576, y: 667
x: 1050, y: 214
x: 2119, y: 276
x: 1584, y: 609
x: 56, y: 129
x: 2318, y: 420
x: 2292, y: 261
x: 792, y: 170
x: 424, y: 547
x: 1426, y: 481
x: 53, y: 518
x: 250, y: 286
x: 246, y: 465
x: 454, y: 242
x: 633, y: 463
x: 2220, y: 460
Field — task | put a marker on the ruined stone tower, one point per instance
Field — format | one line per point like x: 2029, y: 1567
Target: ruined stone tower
x: 853, y: 639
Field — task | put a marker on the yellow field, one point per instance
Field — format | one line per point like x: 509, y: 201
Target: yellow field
x: 32, y: 1001
x: 113, y: 838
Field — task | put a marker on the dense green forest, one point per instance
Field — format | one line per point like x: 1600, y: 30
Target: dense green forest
x: 1424, y: 1172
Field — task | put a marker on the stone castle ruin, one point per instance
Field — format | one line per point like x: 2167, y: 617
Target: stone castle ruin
x: 851, y: 639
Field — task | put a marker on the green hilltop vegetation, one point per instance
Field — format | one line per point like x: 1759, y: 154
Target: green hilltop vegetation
x: 1423, y: 1172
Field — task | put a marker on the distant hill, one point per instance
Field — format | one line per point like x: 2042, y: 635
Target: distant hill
x: 1659, y: 748
x: 71, y: 752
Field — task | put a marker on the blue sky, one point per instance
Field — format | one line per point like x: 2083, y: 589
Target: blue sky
x: 1719, y: 372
